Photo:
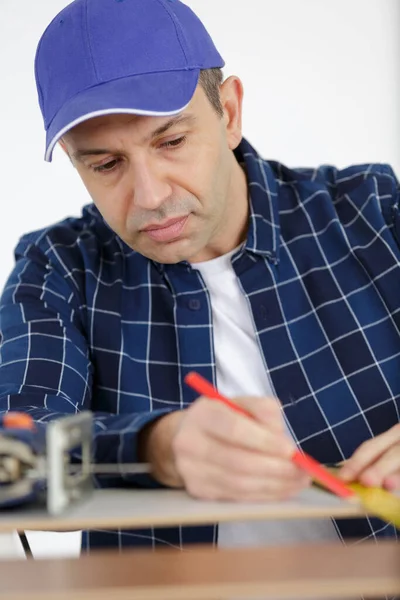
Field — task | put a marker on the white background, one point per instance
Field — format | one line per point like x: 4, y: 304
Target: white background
x: 322, y: 82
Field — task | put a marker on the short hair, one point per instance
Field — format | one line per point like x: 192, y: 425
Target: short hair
x: 211, y: 80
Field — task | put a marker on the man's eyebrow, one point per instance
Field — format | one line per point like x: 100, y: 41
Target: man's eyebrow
x: 79, y: 154
x: 178, y: 120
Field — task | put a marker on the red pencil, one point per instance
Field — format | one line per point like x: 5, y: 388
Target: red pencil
x: 302, y: 460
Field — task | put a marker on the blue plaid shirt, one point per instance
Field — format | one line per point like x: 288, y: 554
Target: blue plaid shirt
x: 87, y: 323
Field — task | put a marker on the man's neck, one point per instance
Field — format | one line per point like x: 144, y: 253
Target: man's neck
x: 234, y: 225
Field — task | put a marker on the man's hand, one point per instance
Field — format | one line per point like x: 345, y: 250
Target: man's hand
x: 376, y: 462
x: 219, y: 454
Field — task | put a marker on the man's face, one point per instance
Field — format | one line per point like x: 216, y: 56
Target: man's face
x: 163, y: 184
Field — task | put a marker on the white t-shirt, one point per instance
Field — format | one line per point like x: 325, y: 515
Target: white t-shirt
x: 241, y: 372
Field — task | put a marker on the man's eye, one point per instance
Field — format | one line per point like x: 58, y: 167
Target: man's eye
x: 174, y: 143
x: 107, y: 167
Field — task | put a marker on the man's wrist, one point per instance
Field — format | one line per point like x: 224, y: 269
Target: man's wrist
x: 155, y: 448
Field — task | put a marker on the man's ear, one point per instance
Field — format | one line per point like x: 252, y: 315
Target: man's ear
x: 232, y: 102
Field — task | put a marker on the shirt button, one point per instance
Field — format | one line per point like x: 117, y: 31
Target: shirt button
x: 194, y: 304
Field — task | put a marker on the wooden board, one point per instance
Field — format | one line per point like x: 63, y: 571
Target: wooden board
x: 333, y: 571
x: 125, y: 508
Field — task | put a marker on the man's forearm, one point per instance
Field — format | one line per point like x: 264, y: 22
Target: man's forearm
x: 116, y: 438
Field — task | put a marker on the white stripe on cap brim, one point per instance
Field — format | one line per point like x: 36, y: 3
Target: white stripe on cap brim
x: 101, y: 113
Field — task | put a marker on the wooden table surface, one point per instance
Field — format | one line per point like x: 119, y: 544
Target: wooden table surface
x: 116, y: 508
x: 334, y: 571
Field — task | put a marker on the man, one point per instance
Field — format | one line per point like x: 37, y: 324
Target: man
x: 198, y: 255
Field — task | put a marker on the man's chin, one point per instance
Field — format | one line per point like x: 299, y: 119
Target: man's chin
x: 170, y: 253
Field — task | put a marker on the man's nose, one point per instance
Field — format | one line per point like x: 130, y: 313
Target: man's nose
x: 150, y: 186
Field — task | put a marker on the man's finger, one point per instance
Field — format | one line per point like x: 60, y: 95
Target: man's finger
x: 224, y: 485
x: 392, y: 483
x: 241, y: 462
x: 265, y: 410
x: 387, y: 465
x: 226, y: 425
x: 368, y: 453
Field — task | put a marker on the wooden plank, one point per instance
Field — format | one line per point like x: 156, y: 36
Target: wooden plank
x: 324, y: 570
x: 143, y: 508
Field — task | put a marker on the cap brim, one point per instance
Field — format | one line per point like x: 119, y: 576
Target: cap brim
x: 155, y: 94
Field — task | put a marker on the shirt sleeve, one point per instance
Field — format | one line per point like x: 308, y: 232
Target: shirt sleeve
x: 45, y: 364
x: 389, y: 197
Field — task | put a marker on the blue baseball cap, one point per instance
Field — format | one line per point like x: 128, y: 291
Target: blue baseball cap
x: 100, y: 57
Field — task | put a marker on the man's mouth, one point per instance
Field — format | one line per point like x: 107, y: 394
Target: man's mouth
x: 166, y: 232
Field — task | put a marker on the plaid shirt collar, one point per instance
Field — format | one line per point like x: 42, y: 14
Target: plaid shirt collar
x: 264, y: 228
